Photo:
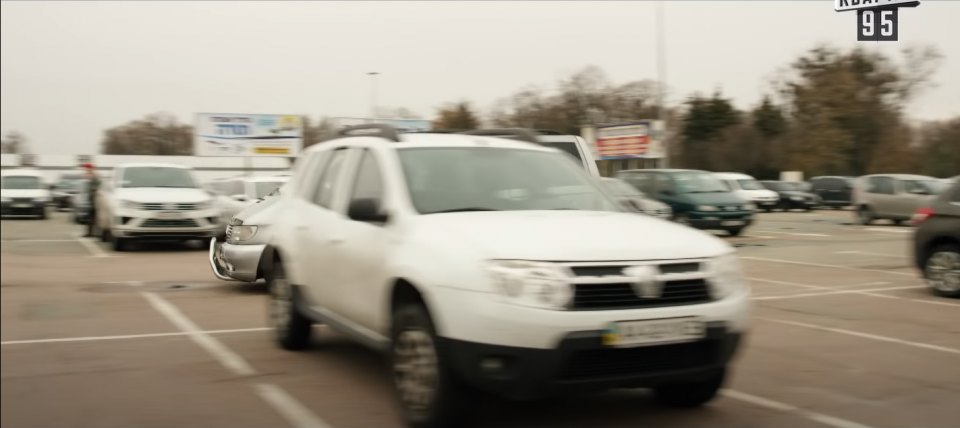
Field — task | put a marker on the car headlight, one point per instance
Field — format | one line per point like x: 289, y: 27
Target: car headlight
x: 726, y: 277
x: 240, y: 233
x: 707, y: 208
x: 535, y: 284
x: 749, y: 207
x: 130, y: 205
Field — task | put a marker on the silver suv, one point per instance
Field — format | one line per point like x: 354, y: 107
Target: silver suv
x: 893, y: 196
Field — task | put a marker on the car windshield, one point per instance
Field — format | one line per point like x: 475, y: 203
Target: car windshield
x: 621, y: 188
x: 21, y: 182
x: 264, y: 188
x: 569, y: 148
x: 698, y: 182
x: 933, y: 187
x: 157, y: 176
x: 750, y: 185
x: 495, y: 179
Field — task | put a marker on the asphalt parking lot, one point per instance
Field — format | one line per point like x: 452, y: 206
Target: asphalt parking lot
x: 844, y: 336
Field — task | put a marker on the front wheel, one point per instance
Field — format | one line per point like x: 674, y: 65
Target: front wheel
x: 942, y: 270
x: 290, y: 327
x: 735, y: 231
x: 429, y: 392
x: 693, y: 394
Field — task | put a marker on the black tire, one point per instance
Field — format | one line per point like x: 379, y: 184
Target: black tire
x: 42, y: 215
x: 119, y: 244
x: 767, y: 209
x: 447, y: 405
x: 948, y: 251
x: 865, y: 215
x: 897, y: 221
x: 735, y: 231
x: 291, y: 329
x: 694, y: 394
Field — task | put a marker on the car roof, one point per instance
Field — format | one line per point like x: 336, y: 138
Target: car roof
x: 426, y: 140
x: 23, y: 172
x: 151, y: 165
x: 902, y: 176
x: 732, y: 175
x: 667, y: 170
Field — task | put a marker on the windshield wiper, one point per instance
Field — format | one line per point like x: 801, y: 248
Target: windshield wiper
x: 460, y: 210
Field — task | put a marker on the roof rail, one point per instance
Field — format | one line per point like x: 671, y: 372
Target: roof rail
x: 549, y: 132
x: 522, y: 134
x: 371, y: 130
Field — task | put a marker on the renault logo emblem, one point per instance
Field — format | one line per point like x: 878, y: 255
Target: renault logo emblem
x: 644, y: 281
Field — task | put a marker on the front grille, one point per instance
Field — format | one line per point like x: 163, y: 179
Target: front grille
x: 619, y: 362
x: 622, y: 295
x: 22, y: 200
x: 154, y: 206
x: 155, y: 222
x: 617, y: 270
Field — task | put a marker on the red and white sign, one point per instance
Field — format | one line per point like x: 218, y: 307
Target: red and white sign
x: 623, y: 141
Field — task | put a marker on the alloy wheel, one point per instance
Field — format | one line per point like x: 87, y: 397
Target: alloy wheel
x: 281, y: 305
x: 415, y: 369
x: 943, y: 271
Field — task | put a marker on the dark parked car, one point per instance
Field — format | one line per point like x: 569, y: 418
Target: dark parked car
x: 936, y: 242
x: 80, y: 201
x: 64, y: 189
x: 792, y: 195
x: 834, y: 191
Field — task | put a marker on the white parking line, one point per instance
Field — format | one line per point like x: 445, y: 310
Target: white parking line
x: 792, y: 262
x: 868, y: 253
x: 864, y: 292
x: 126, y: 336
x: 927, y: 301
x: 831, y: 421
x: 864, y: 335
x: 298, y: 415
x: 94, y: 249
x: 7, y: 241
x: 816, y: 287
x: 877, y: 229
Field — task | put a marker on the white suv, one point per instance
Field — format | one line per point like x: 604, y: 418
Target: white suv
x: 483, y: 263
x: 154, y: 201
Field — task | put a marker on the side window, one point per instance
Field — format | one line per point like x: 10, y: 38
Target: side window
x: 885, y: 185
x: 369, y: 181
x: 873, y: 185
x: 324, y: 193
x: 638, y: 180
x: 307, y: 173
x: 663, y: 182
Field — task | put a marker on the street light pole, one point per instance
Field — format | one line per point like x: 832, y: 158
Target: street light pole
x: 662, y: 83
x: 373, y: 94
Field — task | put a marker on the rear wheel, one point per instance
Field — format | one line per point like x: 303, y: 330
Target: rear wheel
x: 865, y: 215
x: 119, y: 244
x: 290, y: 327
x: 942, y: 270
x: 735, y: 231
x: 429, y: 392
x: 692, y: 394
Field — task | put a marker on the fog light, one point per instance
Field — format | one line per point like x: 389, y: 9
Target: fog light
x: 491, y: 364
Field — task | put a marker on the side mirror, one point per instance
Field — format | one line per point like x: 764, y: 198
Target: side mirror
x: 366, y: 210
x: 239, y: 197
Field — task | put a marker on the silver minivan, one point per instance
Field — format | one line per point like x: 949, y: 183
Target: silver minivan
x: 893, y: 196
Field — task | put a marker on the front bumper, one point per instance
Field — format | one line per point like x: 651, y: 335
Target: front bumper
x: 720, y: 220
x: 150, y: 224
x: 32, y: 207
x: 235, y: 262
x: 581, y: 363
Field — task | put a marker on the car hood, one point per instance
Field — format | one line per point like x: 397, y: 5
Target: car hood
x: 25, y: 193
x: 757, y: 194
x: 258, y: 213
x: 789, y: 193
x: 161, y: 194
x: 568, y: 235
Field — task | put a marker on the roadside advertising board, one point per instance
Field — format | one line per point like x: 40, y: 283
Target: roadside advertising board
x: 247, y: 135
x: 634, y: 140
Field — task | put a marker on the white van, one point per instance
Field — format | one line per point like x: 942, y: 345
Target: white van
x: 749, y: 189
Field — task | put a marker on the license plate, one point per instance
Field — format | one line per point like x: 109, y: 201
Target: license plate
x: 169, y: 214
x: 22, y: 205
x: 732, y: 223
x: 650, y: 332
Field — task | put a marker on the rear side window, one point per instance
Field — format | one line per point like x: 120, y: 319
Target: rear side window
x: 880, y: 185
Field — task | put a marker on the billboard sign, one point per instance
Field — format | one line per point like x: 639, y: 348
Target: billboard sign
x: 247, y: 135
x: 634, y: 140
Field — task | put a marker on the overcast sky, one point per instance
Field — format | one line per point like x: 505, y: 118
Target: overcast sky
x: 72, y: 69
